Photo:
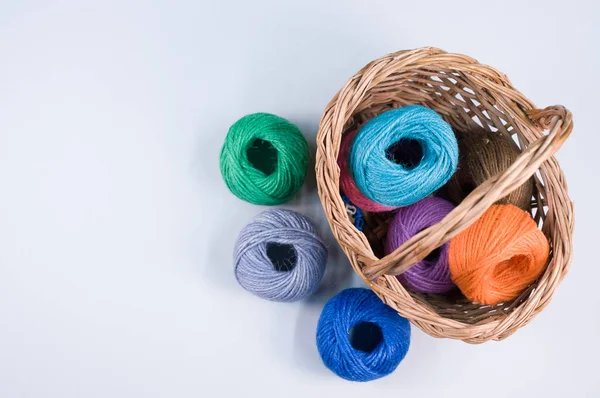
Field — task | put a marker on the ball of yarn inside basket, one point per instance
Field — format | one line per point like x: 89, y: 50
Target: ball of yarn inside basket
x: 264, y: 159
x: 347, y: 182
x: 430, y: 275
x: 483, y: 155
x: 360, y: 338
x: 279, y: 256
x: 403, y: 155
x: 498, y: 256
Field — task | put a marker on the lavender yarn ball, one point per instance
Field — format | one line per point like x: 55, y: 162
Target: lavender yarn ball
x: 432, y: 274
x: 279, y: 256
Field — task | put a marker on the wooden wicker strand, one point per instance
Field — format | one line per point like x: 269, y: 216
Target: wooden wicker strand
x: 468, y: 95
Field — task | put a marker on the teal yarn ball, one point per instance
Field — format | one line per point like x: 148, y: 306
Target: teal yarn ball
x: 403, y: 155
x: 264, y: 159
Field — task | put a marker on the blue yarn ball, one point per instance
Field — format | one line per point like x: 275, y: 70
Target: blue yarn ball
x: 391, y: 183
x: 359, y: 337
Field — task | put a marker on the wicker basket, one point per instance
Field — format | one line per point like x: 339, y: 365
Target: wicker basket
x: 467, y: 95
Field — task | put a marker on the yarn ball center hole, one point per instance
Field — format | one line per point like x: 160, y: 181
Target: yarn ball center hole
x: 365, y: 336
x: 262, y: 156
x: 406, y: 152
x: 283, y: 256
x: 507, y: 268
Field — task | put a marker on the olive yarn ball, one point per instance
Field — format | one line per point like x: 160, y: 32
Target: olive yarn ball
x: 482, y: 156
x: 264, y: 159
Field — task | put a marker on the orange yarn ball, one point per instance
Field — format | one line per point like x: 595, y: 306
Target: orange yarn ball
x: 498, y: 256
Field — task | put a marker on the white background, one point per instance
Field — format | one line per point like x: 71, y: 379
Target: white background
x: 116, y: 230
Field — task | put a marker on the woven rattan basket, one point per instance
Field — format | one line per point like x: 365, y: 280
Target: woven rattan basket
x: 467, y: 95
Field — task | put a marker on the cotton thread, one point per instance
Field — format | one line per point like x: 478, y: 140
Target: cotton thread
x: 360, y: 338
x: 482, y: 156
x: 498, y: 256
x: 279, y: 256
x: 264, y: 159
x: 430, y: 275
x: 347, y: 182
x: 388, y: 182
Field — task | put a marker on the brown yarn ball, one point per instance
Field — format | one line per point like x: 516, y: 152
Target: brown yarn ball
x: 483, y: 155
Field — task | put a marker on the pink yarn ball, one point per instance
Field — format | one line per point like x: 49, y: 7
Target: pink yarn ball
x: 347, y: 182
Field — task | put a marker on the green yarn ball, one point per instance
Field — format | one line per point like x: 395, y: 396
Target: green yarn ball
x: 264, y: 159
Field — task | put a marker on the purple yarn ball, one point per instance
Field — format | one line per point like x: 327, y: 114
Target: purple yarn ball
x: 430, y: 275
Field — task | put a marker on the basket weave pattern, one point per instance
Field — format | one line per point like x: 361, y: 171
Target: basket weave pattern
x: 468, y: 95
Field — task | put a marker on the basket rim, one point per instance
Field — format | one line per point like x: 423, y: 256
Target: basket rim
x: 537, y: 157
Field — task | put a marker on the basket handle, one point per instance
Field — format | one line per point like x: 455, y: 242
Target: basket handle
x: 557, y: 119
